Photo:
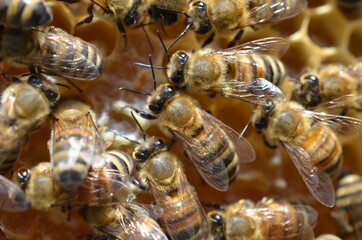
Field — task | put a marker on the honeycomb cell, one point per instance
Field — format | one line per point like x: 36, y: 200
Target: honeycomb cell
x: 355, y: 46
x: 322, y: 29
x: 287, y: 28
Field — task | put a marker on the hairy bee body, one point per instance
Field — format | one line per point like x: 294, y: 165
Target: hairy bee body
x: 229, y: 17
x: 267, y: 219
x: 24, y: 106
x: 348, y: 203
x: 328, y: 83
x: 211, y: 145
x: 183, y: 214
x: 52, y: 51
x: 124, y: 221
x: 24, y: 14
x: 328, y: 237
x: 75, y: 142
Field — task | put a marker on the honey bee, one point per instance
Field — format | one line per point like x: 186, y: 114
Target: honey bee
x: 310, y: 140
x: 330, y: 83
x: 328, y: 237
x: 75, y: 143
x: 231, y: 17
x: 108, y: 184
x: 214, y: 148
x: 24, y: 106
x: 125, y: 221
x: 267, y: 219
x: 24, y: 14
x: 349, y: 6
x: 128, y: 13
x: 348, y: 204
x: 245, y: 72
x: 165, y: 12
x: 183, y: 214
x: 52, y: 51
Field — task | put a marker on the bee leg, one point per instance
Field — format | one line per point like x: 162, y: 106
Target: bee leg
x: 142, y: 113
x: 236, y: 38
x: 90, y: 16
x: 209, y: 39
x: 122, y: 30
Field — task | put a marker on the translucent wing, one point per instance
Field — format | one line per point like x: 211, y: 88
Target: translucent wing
x: 281, y: 221
x: 338, y: 123
x: 12, y: 198
x: 272, y: 45
x: 134, y: 224
x: 258, y: 91
x: 350, y: 101
x: 306, y: 233
x: 65, y: 55
x: 187, y: 209
x: 209, y: 162
x: 318, y: 182
x: 272, y: 11
x: 83, y: 142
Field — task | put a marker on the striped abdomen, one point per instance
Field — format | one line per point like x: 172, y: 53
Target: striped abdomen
x: 110, y: 182
x: 349, y: 199
x: 72, y: 155
x: 253, y: 66
x: 217, y: 151
x: 286, y: 220
x: 58, y: 53
x: 183, y: 215
x: 24, y: 14
x: 324, y: 149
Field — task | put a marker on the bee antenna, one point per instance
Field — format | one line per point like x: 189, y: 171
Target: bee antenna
x: 139, y: 125
x: 245, y: 128
x: 148, y: 66
x: 163, y: 45
x: 153, y: 72
x: 179, y: 36
x: 147, y: 37
x: 134, y: 91
x: 74, y: 85
x: 63, y: 85
x: 123, y: 136
x: 174, y: 10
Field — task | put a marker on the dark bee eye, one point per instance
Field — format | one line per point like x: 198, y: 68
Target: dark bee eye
x: 216, y: 219
x: 261, y: 123
x: 35, y: 81
x: 182, y: 57
x: 312, y: 80
x: 23, y: 175
x: 159, y: 144
x: 200, y: 5
x: 142, y: 155
x: 51, y: 95
x: 131, y: 18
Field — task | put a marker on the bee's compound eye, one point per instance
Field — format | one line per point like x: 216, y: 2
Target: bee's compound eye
x: 131, y: 18
x: 200, y: 5
x: 35, y: 81
x: 182, y: 57
x: 261, y: 123
x: 23, y: 175
x: 159, y: 143
x: 51, y: 95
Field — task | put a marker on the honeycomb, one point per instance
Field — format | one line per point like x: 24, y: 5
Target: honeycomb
x: 321, y: 34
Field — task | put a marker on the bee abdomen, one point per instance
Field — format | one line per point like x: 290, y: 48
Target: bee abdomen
x: 189, y: 223
x: 325, y: 150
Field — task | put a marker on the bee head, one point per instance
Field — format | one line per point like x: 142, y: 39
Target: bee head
x: 175, y: 71
x: 22, y: 176
x: 161, y: 95
x: 49, y: 89
x: 310, y: 90
x: 134, y: 16
x: 198, y: 17
x: 261, y: 114
x: 149, y: 148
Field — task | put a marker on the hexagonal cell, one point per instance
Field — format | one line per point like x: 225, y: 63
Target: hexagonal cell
x: 339, y: 57
x: 351, y: 10
x: 355, y: 40
x: 287, y: 28
x: 327, y: 29
x: 317, y: 3
x: 296, y: 58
